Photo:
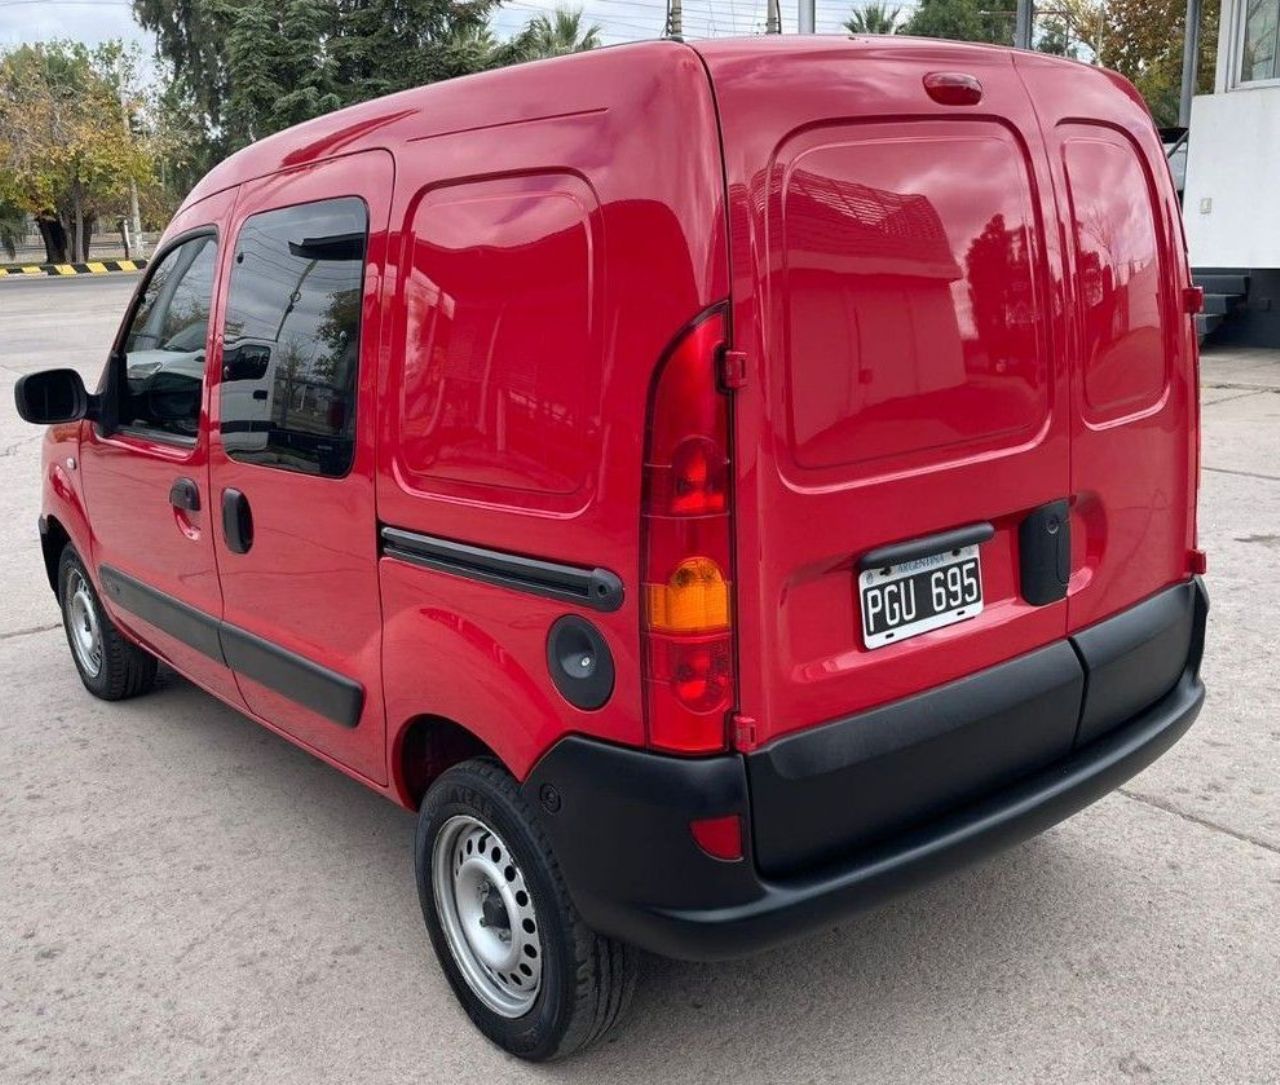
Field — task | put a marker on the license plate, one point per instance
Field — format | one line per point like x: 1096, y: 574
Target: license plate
x: 902, y: 601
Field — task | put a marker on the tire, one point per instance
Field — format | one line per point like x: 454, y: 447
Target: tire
x: 110, y: 666
x: 583, y: 981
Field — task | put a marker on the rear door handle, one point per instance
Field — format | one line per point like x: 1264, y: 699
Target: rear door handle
x: 184, y: 494
x: 237, y: 521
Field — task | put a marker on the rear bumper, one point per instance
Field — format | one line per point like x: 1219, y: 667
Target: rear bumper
x: 621, y: 817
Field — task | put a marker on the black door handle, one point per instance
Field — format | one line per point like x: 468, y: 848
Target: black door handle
x: 184, y: 494
x: 237, y: 521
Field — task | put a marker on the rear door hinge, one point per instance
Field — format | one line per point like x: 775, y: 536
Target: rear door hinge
x: 733, y: 369
x: 1193, y: 299
x: 744, y: 731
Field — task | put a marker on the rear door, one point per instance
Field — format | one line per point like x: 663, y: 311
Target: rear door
x: 896, y: 293
x: 1133, y: 347
x: 292, y: 454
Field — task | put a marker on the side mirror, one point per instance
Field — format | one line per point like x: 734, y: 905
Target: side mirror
x: 53, y: 396
x: 246, y: 363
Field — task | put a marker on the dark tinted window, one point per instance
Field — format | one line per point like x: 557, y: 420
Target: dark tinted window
x: 164, y: 349
x: 292, y: 338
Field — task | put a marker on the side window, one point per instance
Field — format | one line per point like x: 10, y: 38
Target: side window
x: 163, y: 370
x: 292, y: 338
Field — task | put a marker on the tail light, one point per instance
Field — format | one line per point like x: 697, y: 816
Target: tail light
x: 687, y: 567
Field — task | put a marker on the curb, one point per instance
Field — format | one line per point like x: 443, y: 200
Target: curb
x: 92, y: 267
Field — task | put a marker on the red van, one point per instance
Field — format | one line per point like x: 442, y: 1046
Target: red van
x: 717, y: 487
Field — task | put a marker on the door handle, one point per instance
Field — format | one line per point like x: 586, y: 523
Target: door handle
x: 237, y: 521
x: 184, y: 494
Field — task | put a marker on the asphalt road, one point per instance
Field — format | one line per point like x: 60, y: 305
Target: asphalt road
x: 186, y: 897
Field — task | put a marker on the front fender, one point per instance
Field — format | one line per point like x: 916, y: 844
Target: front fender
x: 63, y: 515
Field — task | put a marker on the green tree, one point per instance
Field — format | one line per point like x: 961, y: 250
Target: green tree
x: 1143, y: 40
x: 279, y: 67
x: 963, y: 20
x: 874, y: 18
x: 12, y: 227
x: 67, y: 156
x: 250, y: 67
x: 557, y: 34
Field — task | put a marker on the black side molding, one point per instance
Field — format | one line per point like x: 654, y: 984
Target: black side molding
x: 325, y: 692
x: 926, y: 547
x: 598, y: 589
x: 303, y: 681
x: 193, y: 627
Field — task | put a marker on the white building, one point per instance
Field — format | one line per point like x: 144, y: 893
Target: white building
x: 1232, y: 199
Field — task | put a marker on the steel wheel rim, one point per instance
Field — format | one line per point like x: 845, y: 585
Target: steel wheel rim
x: 84, y: 625
x: 487, y: 914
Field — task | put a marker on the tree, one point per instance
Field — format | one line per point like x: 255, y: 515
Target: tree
x: 67, y: 157
x: 963, y: 20
x: 250, y: 67
x: 12, y: 227
x: 557, y: 35
x: 873, y: 18
x: 1143, y: 40
x: 279, y: 66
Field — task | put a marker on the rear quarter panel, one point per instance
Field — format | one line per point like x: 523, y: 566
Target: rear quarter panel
x: 603, y: 206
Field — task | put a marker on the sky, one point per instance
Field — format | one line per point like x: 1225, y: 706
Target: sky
x: 93, y: 21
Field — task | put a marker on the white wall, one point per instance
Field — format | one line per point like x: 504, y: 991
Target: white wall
x: 1232, y: 200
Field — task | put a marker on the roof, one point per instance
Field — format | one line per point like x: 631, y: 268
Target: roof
x: 542, y: 89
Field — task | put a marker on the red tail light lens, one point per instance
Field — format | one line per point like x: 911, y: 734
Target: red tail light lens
x: 687, y: 573
x: 721, y: 838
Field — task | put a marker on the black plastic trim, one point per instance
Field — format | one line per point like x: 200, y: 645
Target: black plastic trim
x: 327, y: 693
x: 926, y: 547
x: 183, y: 622
x: 620, y: 829
x: 1044, y: 553
x: 1138, y: 655
x: 597, y: 588
x: 237, y: 522
x: 332, y: 695
x: 185, y: 494
x: 848, y: 784
x: 571, y: 642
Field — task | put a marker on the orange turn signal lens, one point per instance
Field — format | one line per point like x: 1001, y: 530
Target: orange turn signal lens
x: 695, y: 599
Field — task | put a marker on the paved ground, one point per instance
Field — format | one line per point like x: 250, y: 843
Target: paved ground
x: 186, y: 897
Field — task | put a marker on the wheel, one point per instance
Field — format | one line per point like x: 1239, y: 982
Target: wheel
x: 531, y: 975
x: 110, y: 666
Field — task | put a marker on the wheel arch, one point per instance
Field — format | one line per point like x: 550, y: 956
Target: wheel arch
x: 54, y: 538
x: 427, y: 745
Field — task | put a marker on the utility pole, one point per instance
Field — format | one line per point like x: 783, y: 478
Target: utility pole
x: 773, y: 18
x: 1190, y: 62
x: 807, y: 17
x: 1023, y: 20
x: 135, y: 219
x: 675, y: 19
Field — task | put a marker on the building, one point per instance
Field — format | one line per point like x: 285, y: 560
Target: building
x: 1230, y: 203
